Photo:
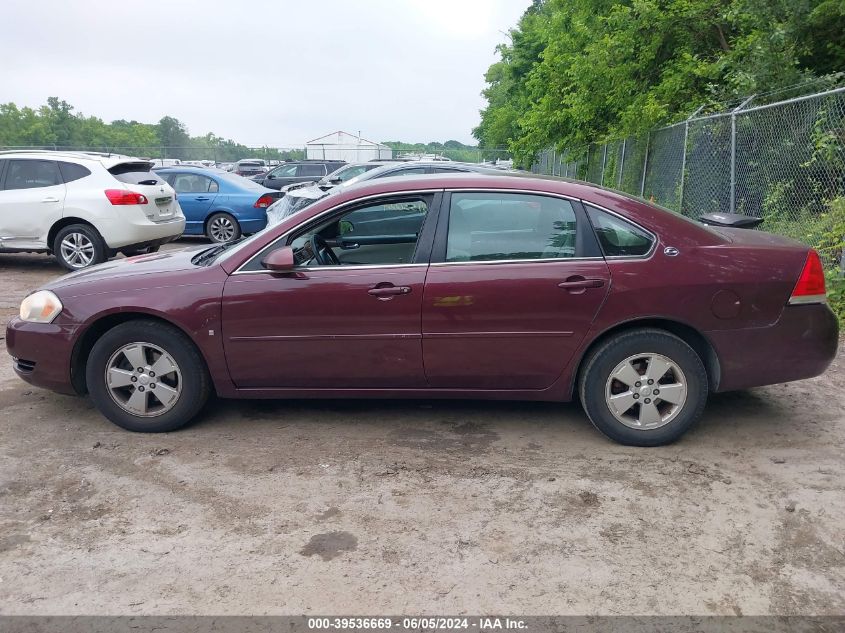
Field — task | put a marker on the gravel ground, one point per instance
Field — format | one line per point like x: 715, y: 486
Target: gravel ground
x: 418, y: 507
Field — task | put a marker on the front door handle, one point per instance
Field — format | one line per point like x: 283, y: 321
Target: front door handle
x: 388, y: 291
x: 202, y: 198
x: 578, y: 284
x: 50, y: 199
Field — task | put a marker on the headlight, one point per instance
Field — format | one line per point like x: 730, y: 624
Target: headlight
x: 40, y: 307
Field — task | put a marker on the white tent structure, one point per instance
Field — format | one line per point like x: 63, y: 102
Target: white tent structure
x: 344, y: 146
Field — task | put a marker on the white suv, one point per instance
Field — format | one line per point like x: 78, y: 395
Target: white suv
x: 84, y: 207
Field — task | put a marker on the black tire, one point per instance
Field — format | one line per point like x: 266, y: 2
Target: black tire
x: 132, y: 252
x: 194, y: 379
x: 85, y: 235
x: 226, y: 220
x: 602, y: 362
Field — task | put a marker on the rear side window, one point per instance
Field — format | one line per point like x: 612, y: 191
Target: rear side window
x: 136, y: 174
x: 619, y: 238
x: 284, y: 171
x: 194, y: 183
x: 311, y: 170
x: 72, y: 171
x: 32, y: 174
x: 503, y: 226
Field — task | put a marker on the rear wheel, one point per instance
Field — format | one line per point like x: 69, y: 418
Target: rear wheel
x: 147, y: 376
x: 222, y: 227
x: 78, y: 246
x: 644, y: 387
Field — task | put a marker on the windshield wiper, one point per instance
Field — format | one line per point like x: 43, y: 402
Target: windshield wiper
x: 210, y: 254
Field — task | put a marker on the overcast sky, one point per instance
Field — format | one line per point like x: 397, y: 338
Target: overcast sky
x: 261, y: 72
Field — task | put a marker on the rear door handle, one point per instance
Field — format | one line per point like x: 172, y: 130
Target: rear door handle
x: 580, y: 283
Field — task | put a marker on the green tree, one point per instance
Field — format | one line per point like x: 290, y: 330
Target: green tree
x: 581, y: 71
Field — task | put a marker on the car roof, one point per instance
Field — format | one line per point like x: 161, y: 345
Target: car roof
x: 522, y: 182
x: 105, y: 159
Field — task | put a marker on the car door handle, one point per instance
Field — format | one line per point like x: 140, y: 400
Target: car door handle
x: 50, y: 199
x: 389, y: 291
x: 202, y: 198
x: 580, y: 283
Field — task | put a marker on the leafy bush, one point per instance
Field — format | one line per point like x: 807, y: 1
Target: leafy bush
x: 823, y: 231
x: 836, y: 295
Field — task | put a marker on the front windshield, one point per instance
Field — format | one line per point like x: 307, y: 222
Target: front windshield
x: 292, y: 202
x: 276, y: 212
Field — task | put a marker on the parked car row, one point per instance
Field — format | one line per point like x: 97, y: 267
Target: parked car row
x: 86, y: 207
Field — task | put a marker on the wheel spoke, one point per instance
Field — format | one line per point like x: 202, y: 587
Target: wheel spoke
x: 138, y: 401
x: 621, y: 402
x: 649, y: 414
x: 119, y: 377
x: 657, y: 368
x: 135, y: 355
x: 627, y: 375
x: 673, y: 394
x: 165, y: 394
x: 163, y: 366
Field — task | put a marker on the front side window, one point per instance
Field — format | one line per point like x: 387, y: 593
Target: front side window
x: 509, y: 226
x: 311, y: 171
x: 32, y: 174
x: 617, y: 237
x: 376, y: 234
x: 194, y: 183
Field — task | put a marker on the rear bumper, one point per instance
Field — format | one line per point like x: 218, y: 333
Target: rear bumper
x: 134, y: 232
x: 802, y: 344
x: 41, y: 353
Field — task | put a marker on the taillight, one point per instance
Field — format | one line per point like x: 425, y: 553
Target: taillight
x: 121, y: 196
x: 264, y: 201
x: 810, y: 287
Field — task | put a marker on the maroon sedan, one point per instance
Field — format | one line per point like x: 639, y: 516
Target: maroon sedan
x: 451, y: 286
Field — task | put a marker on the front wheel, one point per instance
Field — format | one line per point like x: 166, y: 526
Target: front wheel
x: 644, y: 387
x: 222, y: 227
x: 147, y: 376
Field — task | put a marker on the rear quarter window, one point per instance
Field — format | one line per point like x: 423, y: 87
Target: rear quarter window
x: 136, y: 174
x: 72, y: 171
x: 618, y: 237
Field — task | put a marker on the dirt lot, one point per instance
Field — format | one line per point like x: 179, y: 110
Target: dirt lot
x: 414, y: 507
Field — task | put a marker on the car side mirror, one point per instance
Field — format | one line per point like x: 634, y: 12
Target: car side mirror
x: 335, y: 181
x: 279, y: 260
x: 271, y: 177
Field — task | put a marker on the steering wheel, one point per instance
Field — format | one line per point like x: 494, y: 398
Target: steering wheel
x: 323, y: 253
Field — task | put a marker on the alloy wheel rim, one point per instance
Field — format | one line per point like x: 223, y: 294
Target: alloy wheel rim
x: 143, y: 379
x: 77, y: 250
x: 646, y: 391
x: 222, y: 229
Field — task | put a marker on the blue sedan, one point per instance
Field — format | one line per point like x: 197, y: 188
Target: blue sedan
x: 221, y: 206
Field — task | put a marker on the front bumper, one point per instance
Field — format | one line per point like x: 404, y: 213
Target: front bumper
x: 801, y: 344
x: 42, y: 353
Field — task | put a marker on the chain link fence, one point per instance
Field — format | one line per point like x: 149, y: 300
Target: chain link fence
x: 783, y: 162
